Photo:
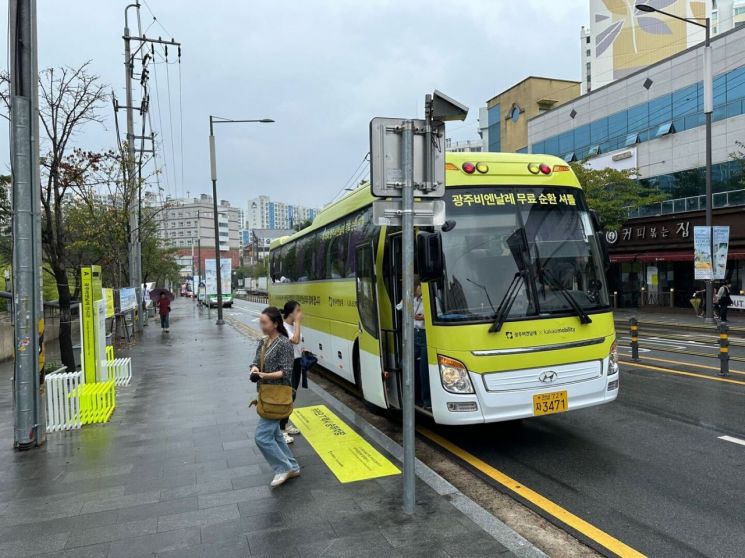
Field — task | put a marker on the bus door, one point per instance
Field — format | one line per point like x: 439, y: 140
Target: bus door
x: 390, y: 317
x: 369, y: 370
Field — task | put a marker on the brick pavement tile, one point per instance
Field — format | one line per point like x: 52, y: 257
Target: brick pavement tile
x: 31, y: 546
x: 232, y: 530
x: 122, y: 501
x: 62, y: 525
x: 200, y: 518
x: 92, y: 551
x: 278, y: 541
x: 158, y: 509
x: 236, y: 549
x: 234, y: 496
x: 108, y: 533
x: 135, y: 485
x: 151, y: 544
x: 365, y: 544
x: 96, y: 473
x: 230, y: 473
x: 195, y: 489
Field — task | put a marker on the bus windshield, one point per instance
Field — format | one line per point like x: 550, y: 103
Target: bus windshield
x: 537, y: 243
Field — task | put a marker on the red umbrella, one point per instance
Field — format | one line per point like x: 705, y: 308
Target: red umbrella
x: 156, y: 293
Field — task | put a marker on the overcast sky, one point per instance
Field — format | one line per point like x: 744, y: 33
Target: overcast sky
x: 321, y: 68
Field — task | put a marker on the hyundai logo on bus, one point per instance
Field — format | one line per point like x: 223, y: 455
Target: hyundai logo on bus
x: 548, y: 376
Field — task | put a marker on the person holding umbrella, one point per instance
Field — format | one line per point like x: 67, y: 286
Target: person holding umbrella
x: 162, y: 298
x: 164, y: 309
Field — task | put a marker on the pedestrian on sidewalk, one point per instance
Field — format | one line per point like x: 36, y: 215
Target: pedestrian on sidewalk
x: 164, y: 309
x: 274, y: 354
x: 293, y: 315
x: 724, y: 300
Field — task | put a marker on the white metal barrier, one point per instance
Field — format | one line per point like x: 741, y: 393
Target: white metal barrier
x: 63, y: 403
x: 120, y: 370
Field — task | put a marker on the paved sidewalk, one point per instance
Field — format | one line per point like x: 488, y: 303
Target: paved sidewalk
x: 677, y: 317
x: 176, y: 474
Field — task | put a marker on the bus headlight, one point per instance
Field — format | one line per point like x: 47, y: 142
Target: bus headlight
x: 454, y: 375
x: 613, y: 360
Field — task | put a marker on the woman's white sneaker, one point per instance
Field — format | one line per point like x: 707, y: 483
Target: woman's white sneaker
x: 279, y: 479
x: 288, y: 439
x: 292, y: 430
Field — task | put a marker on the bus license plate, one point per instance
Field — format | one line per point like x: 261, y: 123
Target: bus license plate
x: 550, y: 403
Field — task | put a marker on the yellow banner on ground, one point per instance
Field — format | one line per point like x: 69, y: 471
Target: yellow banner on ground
x: 349, y: 456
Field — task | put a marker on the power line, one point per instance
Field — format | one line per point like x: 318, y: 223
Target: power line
x: 181, y: 119
x: 170, y: 120
x: 160, y: 123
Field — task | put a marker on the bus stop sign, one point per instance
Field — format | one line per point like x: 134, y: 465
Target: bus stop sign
x: 386, y: 158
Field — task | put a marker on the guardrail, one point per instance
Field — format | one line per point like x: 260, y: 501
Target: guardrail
x: 120, y: 371
x: 258, y: 299
x: 63, y: 403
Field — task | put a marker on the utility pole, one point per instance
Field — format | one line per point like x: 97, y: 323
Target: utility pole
x: 134, y: 170
x: 29, y: 421
x: 135, y: 273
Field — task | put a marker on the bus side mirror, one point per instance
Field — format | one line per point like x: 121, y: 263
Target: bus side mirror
x: 429, y: 255
x: 602, y: 242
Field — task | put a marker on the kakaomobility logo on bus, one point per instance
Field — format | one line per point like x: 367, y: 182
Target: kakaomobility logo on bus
x: 554, y: 331
x: 533, y: 333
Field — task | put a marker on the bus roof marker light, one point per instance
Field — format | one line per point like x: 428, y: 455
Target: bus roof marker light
x: 468, y: 167
x: 534, y: 168
x: 483, y: 168
x: 544, y: 168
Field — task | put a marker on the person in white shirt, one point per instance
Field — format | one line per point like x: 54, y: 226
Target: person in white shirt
x: 421, y: 362
x: 293, y: 315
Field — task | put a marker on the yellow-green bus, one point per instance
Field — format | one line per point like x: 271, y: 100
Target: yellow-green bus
x: 516, y: 309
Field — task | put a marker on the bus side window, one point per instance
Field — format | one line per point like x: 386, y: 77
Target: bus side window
x: 337, y: 256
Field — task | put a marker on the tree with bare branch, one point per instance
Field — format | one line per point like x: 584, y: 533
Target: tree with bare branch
x: 69, y: 98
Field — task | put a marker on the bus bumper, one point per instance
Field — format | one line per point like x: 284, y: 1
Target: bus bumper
x: 486, y: 406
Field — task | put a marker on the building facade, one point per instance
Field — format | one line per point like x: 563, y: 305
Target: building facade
x: 508, y: 113
x: 653, y: 121
x: 263, y: 213
x: 618, y: 42
x: 188, y: 226
x: 464, y: 146
x: 260, y: 240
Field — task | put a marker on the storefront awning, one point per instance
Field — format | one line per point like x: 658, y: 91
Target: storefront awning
x: 669, y: 256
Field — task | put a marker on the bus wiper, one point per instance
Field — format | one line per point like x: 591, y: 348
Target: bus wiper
x: 584, y: 318
x: 507, y: 301
x: 486, y: 292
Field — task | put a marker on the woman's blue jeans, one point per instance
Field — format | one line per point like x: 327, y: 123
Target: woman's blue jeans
x: 271, y: 443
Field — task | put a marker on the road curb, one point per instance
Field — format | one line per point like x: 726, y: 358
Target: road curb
x: 498, y: 530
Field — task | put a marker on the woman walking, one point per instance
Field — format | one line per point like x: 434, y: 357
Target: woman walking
x: 273, y: 365
x: 293, y: 316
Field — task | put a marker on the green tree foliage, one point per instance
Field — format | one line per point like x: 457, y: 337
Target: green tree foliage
x: 5, y: 219
x: 303, y: 224
x: 612, y: 193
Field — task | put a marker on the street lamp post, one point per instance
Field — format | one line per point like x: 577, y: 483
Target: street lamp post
x: 708, y: 109
x: 213, y: 176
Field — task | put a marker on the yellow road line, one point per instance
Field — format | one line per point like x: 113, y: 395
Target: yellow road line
x: 681, y: 373
x: 577, y: 523
x: 690, y: 364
